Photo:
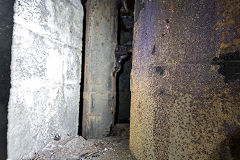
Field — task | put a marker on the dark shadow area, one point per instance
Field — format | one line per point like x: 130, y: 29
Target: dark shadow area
x: 123, y: 100
x: 229, y: 66
x: 125, y: 40
x: 234, y: 144
x: 83, y: 65
x: 6, y: 30
x: 231, y: 147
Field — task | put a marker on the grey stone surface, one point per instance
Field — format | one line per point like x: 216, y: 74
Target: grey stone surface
x: 99, y: 91
x: 45, y: 74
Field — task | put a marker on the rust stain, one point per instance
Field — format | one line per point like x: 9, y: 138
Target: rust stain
x: 99, y: 95
x: 172, y: 7
x: 229, y: 25
x: 188, y: 112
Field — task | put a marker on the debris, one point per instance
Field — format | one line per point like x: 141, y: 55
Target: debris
x: 57, y: 137
x: 79, y: 148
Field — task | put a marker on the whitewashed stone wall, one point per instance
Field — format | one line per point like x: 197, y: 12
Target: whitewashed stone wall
x: 45, y: 74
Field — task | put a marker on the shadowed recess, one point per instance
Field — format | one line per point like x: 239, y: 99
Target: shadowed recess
x: 234, y: 144
x: 229, y: 66
x: 6, y: 29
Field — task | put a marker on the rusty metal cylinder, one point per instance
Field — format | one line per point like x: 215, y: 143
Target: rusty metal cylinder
x: 185, y: 87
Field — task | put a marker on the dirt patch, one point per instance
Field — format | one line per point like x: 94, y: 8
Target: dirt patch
x: 77, y: 148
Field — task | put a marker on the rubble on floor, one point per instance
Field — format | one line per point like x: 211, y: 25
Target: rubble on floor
x: 77, y: 148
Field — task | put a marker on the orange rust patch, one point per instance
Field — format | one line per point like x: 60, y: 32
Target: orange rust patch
x: 229, y: 24
x: 172, y: 7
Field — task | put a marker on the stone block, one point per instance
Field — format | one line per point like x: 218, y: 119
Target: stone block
x: 46, y: 54
x: 72, y: 65
x: 35, y: 57
x: 60, y: 22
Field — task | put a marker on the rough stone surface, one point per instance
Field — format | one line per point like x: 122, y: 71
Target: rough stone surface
x: 99, y: 84
x: 181, y: 107
x: 45, y: 74
x: 6, y: 27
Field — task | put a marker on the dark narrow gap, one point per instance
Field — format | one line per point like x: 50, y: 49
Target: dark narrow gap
x: 117, y: 76
x: 123, y: 100
x: 125, y: 39
x: 6, y: 30
x: 83, y: 67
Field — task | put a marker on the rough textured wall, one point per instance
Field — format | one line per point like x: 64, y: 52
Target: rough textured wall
x: 184, y: 105
x: 99, y: 84
x: 6, y: 27
x: 45, y: 73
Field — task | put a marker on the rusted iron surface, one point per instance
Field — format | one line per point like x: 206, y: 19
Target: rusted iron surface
x: 121, y: 53
x: 99, y: 84
x: 181, y: 107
